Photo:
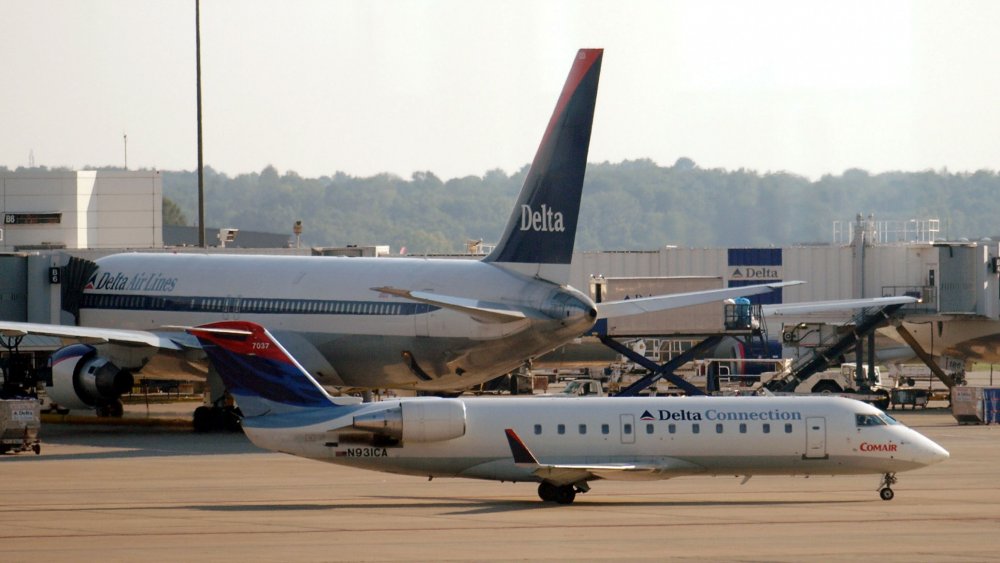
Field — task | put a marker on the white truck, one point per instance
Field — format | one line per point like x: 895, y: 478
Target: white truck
x: 583, y: 388
x: 841, y: 381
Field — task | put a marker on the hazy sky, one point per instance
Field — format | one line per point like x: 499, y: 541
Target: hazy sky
x: 462, y: 87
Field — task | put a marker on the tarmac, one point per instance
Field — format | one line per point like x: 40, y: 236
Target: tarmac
x: 163, y: 493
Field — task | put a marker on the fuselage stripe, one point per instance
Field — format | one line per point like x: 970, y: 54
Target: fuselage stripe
x: 250, y: 305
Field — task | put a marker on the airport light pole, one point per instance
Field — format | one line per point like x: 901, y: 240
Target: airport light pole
x: 201, y: 171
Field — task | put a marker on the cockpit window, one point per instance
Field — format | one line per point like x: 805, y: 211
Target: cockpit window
x: 869, y: 420
x: 887, y: 419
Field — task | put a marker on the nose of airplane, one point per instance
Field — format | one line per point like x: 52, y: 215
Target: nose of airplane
x: 931, y: 452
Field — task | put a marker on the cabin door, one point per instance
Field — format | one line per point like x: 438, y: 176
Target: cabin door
x: 815, y: 438
x: 628, y: 428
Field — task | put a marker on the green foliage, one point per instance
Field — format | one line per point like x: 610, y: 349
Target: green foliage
x: 172, y: 215
x: 629, y: 205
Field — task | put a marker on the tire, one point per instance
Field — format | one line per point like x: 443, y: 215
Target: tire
x: 886, y: 494
x: 547, y: 491
x: 204, y: 419
x: 565, y: 494
x: 826, y: 387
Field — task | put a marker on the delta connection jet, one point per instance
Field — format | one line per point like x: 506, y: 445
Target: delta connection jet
x: 422, y: 324
x: 560, y: 443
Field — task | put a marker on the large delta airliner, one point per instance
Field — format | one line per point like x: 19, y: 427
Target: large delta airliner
x: 434, y: 325
x: 560, y: 443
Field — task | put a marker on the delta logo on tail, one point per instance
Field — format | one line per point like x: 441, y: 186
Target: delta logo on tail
x: 543, y: 221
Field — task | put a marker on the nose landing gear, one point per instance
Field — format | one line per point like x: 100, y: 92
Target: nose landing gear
x: 884, y: 488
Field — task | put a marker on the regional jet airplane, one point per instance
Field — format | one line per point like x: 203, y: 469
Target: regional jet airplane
x: 560, y: 443
x: 435, y: 325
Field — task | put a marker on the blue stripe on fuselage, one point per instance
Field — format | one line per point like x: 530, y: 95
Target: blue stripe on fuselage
x: 250, y: 305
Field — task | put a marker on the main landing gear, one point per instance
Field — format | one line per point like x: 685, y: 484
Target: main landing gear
x: 561, y: 494
x: 884, y: 488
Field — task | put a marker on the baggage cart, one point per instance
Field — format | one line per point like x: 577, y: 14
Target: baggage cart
x: 19, y: 423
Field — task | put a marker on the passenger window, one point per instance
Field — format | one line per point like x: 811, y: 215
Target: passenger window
x: 649, y: 429
x: 561, y: 429
x: 743, y: 428
x: 767, y: 428
x: 583, y: 429
x: 788, y: 428
x: 605, y: 429
x: 718, y: 428
x: 695, y: 428
x: 672, y: 428
x: 538, y: 429
x: 627, y: 428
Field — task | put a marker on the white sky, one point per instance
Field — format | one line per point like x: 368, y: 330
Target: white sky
x: 461, y: 87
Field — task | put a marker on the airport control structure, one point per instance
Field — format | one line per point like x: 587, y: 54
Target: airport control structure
x: 52, y: 217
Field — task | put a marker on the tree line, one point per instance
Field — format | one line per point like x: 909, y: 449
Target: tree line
x: 629, y: 205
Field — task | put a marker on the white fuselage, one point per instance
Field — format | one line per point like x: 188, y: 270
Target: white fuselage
x: 677, y: 436
x: 326, y: 311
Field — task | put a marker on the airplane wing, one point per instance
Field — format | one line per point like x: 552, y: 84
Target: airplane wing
x: 482, y: 311
x: 612, y: 309
x: 90, y: 335
x: 843, y: 306
x: 568, y: 474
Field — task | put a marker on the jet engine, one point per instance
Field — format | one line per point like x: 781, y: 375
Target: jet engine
x: 417, y: 420
x: 82, y: 379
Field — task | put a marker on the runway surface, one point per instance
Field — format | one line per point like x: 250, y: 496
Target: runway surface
x: 149, y: 494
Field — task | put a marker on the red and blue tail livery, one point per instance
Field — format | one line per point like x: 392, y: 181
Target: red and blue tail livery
x: 542, y: 227
x: 257, y: 370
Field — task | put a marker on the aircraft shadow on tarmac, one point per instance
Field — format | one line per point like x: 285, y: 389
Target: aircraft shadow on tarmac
x: 472, y: 506
x: 117, y: 443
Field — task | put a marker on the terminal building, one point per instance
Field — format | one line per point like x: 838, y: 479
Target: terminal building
x: 51, y: 216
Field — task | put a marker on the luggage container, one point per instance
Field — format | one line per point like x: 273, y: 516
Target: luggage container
x: 967, y: 404
x: 19, y: 423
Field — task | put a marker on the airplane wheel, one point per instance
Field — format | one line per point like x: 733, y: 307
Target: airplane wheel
x: 547, y: 491
x: 110, y: 409
x: 886, y: 494
x: 204, y: 419
x: 565, y: 494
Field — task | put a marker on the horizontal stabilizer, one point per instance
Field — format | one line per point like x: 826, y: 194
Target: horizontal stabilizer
x: 628, y: 307
x: 841, y: 305
x: 481, y: 311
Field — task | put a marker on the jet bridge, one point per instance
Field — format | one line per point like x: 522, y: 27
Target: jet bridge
x: 865, y: 322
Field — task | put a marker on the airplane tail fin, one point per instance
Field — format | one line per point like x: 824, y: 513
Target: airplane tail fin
x: 540, y: 232
x: 257, y: 370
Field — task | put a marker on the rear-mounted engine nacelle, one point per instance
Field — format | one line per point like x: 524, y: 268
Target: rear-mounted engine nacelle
x: 428, y: 420
x: 82, y: 379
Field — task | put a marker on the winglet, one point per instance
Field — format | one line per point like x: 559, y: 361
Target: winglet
x: 520, y: 452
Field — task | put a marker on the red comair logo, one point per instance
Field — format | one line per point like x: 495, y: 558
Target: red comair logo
x: 867, y: 447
